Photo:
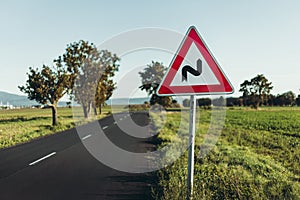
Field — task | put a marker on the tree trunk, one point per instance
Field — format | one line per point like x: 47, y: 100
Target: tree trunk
x: 95, y: 110
x: 100, y: 109
x: 54, y: 114
x: 85, y: 111
x: 91, y: 108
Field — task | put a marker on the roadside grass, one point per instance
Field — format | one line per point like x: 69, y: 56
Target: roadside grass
x: 257, y: 156
x: 22, y: 125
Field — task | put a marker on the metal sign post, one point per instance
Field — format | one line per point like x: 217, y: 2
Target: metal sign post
x: 191, y: 147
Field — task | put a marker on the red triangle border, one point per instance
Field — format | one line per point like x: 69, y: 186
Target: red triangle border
x: 193, y: 36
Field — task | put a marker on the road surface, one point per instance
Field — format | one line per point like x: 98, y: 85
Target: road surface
x: 60, y: 167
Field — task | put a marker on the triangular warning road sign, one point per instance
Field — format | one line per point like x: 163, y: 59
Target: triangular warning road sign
x: 194, y: 70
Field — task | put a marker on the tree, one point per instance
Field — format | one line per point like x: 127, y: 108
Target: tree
x: 80, y: 59
x: 256, y: 91
x: 233, y: 101
x: 246, y: 88
x: 186, y: 102
x: 221, y: 101
x: 204, y: 102
x: 298, y: 100
x: 271, y: 100
x: 289, y: 98
x: 47, y: 86
x: 103, y: 93
x: 151, y: 77
x: 92, y: 71
x: 106, y: 86
x: 285, y: 99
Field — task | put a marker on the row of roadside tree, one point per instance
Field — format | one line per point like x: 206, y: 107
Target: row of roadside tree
x: 83, y: 72
x: 256, y: 92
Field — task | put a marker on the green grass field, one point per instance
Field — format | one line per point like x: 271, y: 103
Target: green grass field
x: 22, y: 125
x: 257, y: 156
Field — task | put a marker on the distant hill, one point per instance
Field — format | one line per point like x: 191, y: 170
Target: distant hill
x: 15, y: 100
x: 22, y: 100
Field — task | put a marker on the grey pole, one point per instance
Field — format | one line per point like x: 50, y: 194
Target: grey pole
x: 191, y: 147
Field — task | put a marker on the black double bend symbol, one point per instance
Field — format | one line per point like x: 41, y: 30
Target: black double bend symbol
x: 191, y: 70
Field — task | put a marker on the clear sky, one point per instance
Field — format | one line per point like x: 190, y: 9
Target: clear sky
x: 247, y: 37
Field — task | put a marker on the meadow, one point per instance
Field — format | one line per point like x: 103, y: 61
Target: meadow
x: 22, y: 125
x: 256, y: 156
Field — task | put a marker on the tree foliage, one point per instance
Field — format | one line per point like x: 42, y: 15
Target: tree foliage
x: 298, y: 100
x: 104, y: 92
x: 151, y: 77
x: 106, y: 86
x: 47, y: 86
x: 92, y: 71
x: 82, y: 71
x: 285, y: 99
x: 204, y: 102
x: 256, y: 91
x: 186, y: 103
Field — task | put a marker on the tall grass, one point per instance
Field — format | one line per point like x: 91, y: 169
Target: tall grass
x: 257, y: 156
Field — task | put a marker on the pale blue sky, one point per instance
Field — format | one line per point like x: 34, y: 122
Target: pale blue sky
x: 247, y: 37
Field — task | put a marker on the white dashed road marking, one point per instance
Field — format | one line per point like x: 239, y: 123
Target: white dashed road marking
x: 85, y: 137
x: 43, y: 158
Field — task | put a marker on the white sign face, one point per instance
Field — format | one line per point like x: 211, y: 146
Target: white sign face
x: 207, y: 77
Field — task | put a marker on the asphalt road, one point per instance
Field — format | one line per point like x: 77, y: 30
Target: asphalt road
x: 60, y: 167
